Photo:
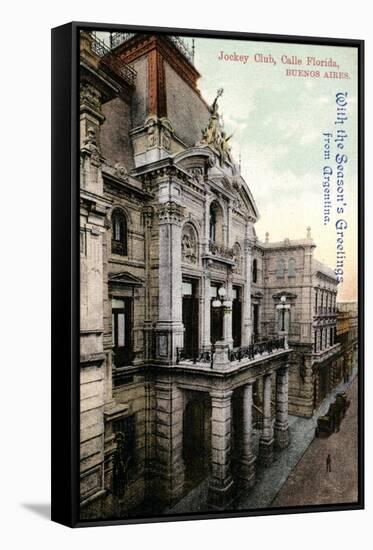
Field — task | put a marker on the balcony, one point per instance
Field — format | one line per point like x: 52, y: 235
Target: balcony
x: 220, y: 251
x: 111, y: 61
x: 204, y: 357
x: 118, y: 38
x: 257, y: 350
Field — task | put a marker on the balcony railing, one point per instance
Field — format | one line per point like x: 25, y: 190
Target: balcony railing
x: 221, y: 251
x: 118, y: 38
x: 253, y: 350
x: 201, y: 355
x: 111, y: 61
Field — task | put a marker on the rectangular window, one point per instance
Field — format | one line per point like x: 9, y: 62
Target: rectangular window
x: 121, y: 318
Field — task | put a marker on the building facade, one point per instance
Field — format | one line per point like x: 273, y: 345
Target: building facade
x: 196, y: 338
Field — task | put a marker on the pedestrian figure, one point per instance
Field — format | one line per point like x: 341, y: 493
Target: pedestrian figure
x: 328, y: 463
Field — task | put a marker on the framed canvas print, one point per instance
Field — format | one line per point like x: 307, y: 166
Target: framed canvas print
x: 207, y: 274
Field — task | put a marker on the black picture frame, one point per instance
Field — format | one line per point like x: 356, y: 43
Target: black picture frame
x: 65, y: 270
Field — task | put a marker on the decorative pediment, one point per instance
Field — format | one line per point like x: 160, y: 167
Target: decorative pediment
x: 125, y: 278
x: 258, y: 295
x: 288, y: 295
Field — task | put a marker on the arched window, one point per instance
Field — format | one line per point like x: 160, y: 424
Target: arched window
x: 291, y: 268
x: 280, y: 269
x: 216, y: 222
x: 255, y: 270
x: 119, y: 233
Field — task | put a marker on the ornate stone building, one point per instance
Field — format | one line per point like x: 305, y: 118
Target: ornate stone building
x: 287, y: 270
x: 189, y: 324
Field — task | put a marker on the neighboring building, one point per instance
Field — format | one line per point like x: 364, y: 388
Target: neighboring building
x: 347, y: 336
x: 189, y: 325
x: 288, y: 269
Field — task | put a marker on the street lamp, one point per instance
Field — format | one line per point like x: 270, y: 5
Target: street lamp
x: 283, y: 307
x: 283, y: 300
x: 222, y: 302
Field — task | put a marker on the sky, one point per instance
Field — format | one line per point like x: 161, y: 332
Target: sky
x: 278, y: 123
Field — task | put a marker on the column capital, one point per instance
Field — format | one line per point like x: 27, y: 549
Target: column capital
x: 248, y: 245
x: 221, y: 395
x: 283, y: 370
x: 170, y: 212
x: 148, y: 213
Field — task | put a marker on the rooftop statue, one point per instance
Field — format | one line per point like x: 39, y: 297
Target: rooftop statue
x: 214, y: 134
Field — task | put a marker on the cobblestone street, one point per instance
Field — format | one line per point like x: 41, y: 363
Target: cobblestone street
x: 310, y: 483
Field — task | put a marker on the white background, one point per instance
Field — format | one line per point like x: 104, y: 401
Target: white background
x: 25, y: 273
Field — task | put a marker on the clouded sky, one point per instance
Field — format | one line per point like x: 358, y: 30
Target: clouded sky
x: 278, y: 122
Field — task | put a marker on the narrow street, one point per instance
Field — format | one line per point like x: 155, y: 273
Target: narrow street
x: 310, y: 483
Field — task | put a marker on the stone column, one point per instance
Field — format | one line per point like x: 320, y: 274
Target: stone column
x: 169, y: 327
x: 246, y: 471
x: 148, y: 215
x: 221, y: 482
x: 266, y: 439
x: 281, y: 423
x: 206, y: 310
x: 168, y: 475
x: 247, y: 318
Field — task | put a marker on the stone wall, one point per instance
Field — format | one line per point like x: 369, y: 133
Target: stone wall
x: 116, y: 144
x: 185, y: 108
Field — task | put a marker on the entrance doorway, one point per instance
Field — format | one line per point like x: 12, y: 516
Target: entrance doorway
x: 196, y: 438
x: 190, y: 317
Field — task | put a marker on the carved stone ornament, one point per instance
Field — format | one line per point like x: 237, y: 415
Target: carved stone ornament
x: 197, y: 174
x: 90, y: 144
x: 189, y: 245
x: 166, y: 140
x: 90, y: 97
x: 237, y: 268
x: 121, y: 171
x: 152, y: 132
x: 170, y: 212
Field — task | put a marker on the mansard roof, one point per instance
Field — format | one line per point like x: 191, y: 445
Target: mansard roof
x: 319, y: 267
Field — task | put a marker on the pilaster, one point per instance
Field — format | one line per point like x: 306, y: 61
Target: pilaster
x: 281, y: 422
x: 266, y: 439
x: 247, y: 320
x: 246, y: 471
x: 169, y: 328
x: 221, y: 483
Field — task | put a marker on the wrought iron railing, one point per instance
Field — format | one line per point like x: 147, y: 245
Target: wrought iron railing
x: 118, y: 38
x: 113, y: 62
x: 200, y: 355
x: 221, y: 250
x: 206, y: 354
x: 259, y: 348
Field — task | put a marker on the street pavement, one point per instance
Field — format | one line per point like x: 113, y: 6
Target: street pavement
x: 298, y: 474
x: 310, y: 482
